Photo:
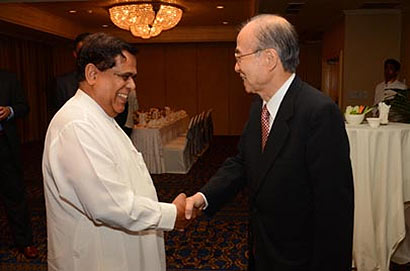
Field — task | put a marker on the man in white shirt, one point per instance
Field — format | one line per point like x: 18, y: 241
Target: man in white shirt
x: 102, y: 208
x: 383, y: 90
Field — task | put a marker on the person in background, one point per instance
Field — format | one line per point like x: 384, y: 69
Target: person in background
x: 293, y: 158
x: 132, y: 108
x: 102, y: 208
x: 383, y: 90
x: 12, y: 189
x: 67, y: 84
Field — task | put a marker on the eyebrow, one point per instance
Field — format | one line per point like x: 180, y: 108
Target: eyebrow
x: 128, y: 73
x: 131, y: 74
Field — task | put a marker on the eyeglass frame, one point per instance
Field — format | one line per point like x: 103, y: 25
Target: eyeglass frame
x: 239, y: 57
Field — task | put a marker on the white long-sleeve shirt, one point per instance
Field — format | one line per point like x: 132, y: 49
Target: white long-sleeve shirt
x: 383, y: 92
x: 102, y: 208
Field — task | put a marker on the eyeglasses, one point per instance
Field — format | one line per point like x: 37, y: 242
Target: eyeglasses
x: 126, y: 76
x: 239, y: 57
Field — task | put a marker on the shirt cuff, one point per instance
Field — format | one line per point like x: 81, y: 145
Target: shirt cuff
x: 206, y: 201
x: 168, y: 217
x: 11, y: 113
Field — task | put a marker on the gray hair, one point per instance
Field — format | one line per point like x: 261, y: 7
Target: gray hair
x: 276, y: 32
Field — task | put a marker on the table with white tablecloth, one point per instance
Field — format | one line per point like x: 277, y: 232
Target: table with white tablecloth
x: 150, y: 142
x: 381, y: 171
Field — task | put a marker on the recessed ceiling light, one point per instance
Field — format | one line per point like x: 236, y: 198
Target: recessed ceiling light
x: 220, y: 7
x: 104, y: 25
x: 72, y: 11
x: 90, y: 11
x: 225, y: 22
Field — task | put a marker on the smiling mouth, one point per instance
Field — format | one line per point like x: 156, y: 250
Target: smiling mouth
x: 122, y: 95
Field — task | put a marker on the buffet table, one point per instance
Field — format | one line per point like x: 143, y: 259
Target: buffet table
x: 381, y: 171
x: 149, y: 140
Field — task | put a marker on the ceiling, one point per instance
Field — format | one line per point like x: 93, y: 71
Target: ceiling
x: 201, y: 20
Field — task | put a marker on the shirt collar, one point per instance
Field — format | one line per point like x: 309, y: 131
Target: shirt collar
x: 274, y: 102
x: 93, y: 104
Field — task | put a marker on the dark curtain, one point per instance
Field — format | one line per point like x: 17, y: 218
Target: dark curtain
x: 34, y: 64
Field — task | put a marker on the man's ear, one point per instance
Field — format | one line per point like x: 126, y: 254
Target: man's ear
x: 272, y: 58
x: 91, y: 73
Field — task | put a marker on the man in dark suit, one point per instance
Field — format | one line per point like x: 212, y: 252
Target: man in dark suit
x: 293, y: 158
x: 67, y: 84
x: 12, y: 106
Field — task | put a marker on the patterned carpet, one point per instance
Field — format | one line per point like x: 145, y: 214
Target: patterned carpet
x: 218, y: 243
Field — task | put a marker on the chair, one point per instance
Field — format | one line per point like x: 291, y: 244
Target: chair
x: 209, y: 127
x: 195, y: 135
x: 201, y: 134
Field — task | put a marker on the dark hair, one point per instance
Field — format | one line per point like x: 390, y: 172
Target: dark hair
x: 276, y: 32
x: 81, y: 37
x: 392, y: 62
x: 101, y: 50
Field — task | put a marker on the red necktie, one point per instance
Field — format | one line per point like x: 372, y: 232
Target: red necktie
x: 265, y: 125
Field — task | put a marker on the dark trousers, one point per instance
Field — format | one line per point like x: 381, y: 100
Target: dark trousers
x: 12, y: 192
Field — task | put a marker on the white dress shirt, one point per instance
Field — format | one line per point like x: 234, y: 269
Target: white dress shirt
x: 274, y: 103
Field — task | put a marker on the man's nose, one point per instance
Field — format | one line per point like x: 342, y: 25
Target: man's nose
x: 131, y: 83
x: 237, y: 68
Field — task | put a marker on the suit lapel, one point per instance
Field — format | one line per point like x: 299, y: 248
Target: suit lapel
x: 278, y: 134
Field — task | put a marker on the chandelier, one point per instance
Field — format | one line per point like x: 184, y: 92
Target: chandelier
x: 145, y: 19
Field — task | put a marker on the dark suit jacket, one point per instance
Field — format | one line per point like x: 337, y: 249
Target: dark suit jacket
x: 301, y: 187
x: 11, y: 94
x: 66, y: 87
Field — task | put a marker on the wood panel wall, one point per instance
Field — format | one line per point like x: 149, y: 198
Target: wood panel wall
x: 199, y: 76
x: 194, y: 77
x: 310, y: 66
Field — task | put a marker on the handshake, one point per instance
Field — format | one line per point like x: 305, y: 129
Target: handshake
x: 187, y: 209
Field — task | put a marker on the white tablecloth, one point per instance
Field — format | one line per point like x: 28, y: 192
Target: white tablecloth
x: 381, y: 170
x: 150, y: 142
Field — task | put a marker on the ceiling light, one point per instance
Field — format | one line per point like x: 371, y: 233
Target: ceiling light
x: 224, y: 22
x: 220, y: 7
x: 145, y: 19
x: 104, y: 25
x: 72, y: 11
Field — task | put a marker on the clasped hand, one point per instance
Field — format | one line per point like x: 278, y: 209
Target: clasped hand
x: 187, y: 209
x: 4, y: 112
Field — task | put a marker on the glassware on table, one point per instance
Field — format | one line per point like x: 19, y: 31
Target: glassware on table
x: 384, y: 113
x: 373, y: 122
